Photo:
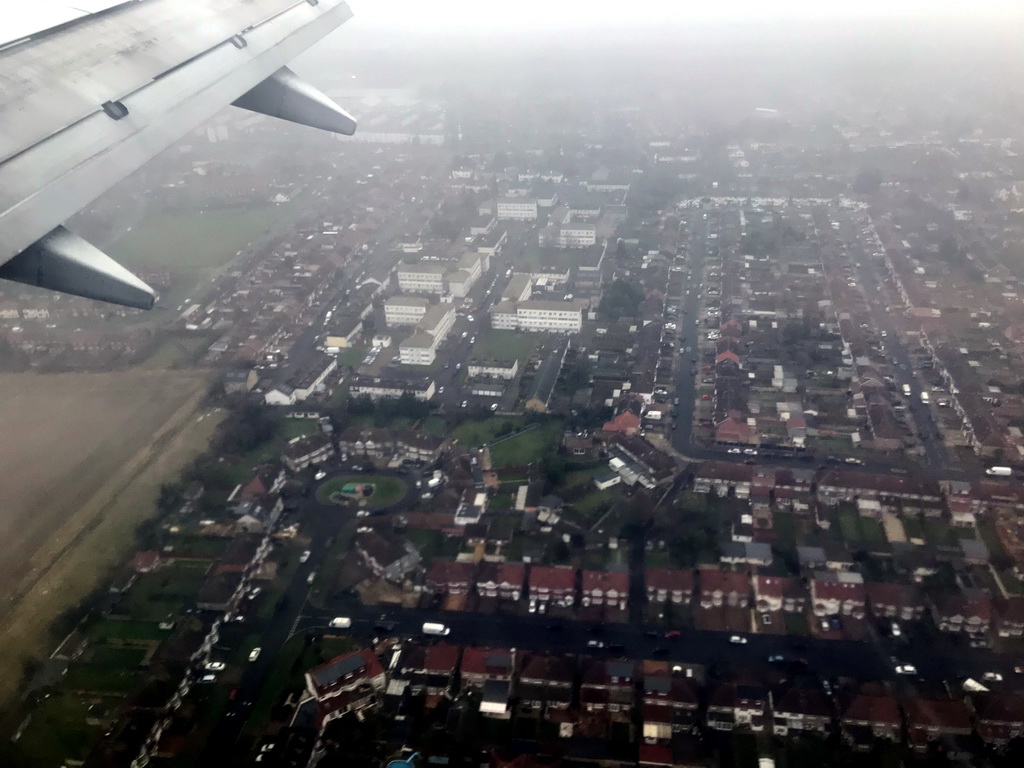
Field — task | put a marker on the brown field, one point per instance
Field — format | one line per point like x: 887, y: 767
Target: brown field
x: 82, y: 457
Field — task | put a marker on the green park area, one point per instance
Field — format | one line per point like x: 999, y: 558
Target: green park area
x: 195, y: 240
x: 365, y: 491
x: 504, y: 345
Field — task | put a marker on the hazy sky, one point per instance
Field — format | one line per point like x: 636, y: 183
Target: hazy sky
x: 548, y: 13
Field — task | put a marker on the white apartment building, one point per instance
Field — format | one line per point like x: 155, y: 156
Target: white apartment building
x: 557, y: 316
x: 405, y: 310
x: 571, y: 235
x: 496, y: 369
x: 433, y: 328
x: 438, y: 321
x: 421, y: 278
x: 418, y: 349
x: 518, y: 208
x: 504, y: 316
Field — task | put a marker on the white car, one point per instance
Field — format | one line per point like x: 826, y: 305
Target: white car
x: 992, y: 677
x: 734, y: 450
x: 465, y: 403
x: 215, y: 666
x: 304, y: 556
x: 906, y: 669
x: 595, y: 644
x: 750, y: 451
x: 254, y: 653
x: 494, y: 406
x: 738, y: 639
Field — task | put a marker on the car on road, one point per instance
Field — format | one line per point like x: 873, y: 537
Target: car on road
x: 906, y: 669
x: 750, y: 452
x: 440, y: 390
x: 215, y: 666
x: 304, y: 556
x: 207, y: 679
x: 494, y: 406
x: 616, y: 647
x: 992, y: 677
x: 311, y: 578
x: 320, y: 475
x: 738, y: 639
x: 776, y: 658
x: 851, y: 460
x: 673, y: 634
x: 254, y: 653
x: 465, y: 403
x: 734, y: 450
x: 595, y: 644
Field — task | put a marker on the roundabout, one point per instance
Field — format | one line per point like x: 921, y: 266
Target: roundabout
x: 362, y: 491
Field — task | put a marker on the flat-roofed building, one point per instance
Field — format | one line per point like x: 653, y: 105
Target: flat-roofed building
x: 405, y: 310
x: 517, y: 208
x: 422, y: 278
x: 558, y: 316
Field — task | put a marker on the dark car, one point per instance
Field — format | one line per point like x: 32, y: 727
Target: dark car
x: 616, y: 647
x: 384, y: 626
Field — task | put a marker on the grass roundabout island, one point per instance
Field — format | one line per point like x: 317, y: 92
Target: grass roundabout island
x: 364, y: 491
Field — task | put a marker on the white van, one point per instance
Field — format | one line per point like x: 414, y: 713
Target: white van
x: 430, y: 628
x: 340, y: 622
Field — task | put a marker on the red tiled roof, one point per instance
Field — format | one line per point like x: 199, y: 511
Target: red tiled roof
x: 446, y: 572
x: 873, y: 709
x: 714, y: 579
x: 883, y: 593
x: 511, y: 573
x: 670, y: 579
x: 773, y: 586
x: 487, y: 661
x: 554, y: 577
x: 953, y: 604
x: 145, y: 561
x: 625, y: 421
x: 1013, y: 610
x: 826, y: 589
x: 944, y: 714
x: 606, y: 581
x: 441, y: 657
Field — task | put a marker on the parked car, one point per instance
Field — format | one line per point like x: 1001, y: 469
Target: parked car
x: 738, y: 639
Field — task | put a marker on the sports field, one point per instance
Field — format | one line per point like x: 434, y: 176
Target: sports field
x: 83, y: 456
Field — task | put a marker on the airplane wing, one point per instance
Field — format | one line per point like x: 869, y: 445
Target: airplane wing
x: 86, y: 103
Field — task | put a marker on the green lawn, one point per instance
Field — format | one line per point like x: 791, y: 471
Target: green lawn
x: 477, y: 433
x: 165, y: 592
x: 96, y: 678
x: 122, y: 658
x: 351, y: 356
x: 292, y: 428
x: 988, y: 534
x: 196, y: 240
x: 57, y: 731
x: 859, y: 529
x: 527, y: 447
x: 505, y: 345
x: 433, y: 544
x: 113, y: 630
x: 937, y: 531
x: 850, y: 525
x: 785, y: 528
x: 386, y: 490
x: 912, y: 527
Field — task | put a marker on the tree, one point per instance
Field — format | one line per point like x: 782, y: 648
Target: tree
x: 621, y: 299
x: 867, y: 181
